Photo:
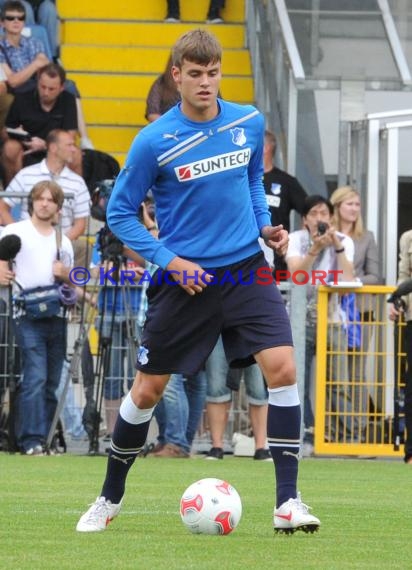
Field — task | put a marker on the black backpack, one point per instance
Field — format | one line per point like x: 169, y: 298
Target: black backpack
x: 98, y: 166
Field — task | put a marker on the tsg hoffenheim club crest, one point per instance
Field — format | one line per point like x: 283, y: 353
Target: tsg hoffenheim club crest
x: 238, y: 136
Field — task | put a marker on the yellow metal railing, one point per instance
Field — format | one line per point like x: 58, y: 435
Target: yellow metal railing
x: 355, y: 387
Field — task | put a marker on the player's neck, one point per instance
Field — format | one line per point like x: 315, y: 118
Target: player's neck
x: 199, y: 115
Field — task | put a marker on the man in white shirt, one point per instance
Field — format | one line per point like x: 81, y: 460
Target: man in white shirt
x: 43, y: 260
x: 76, y: 210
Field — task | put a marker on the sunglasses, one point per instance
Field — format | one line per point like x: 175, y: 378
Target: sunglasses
x: 13, y: 18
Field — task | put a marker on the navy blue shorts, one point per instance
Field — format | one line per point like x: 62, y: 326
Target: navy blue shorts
x: 181, y: 330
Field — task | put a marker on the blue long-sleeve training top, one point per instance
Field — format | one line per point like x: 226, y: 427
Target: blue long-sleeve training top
x: 206, y: 179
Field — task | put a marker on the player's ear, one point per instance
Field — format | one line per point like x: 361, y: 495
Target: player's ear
x: 176, y: 74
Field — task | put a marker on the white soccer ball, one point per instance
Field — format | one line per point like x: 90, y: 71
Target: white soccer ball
x: 211, y: 506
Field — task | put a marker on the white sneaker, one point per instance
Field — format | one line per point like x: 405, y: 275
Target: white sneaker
x: 99, y: 515
x: 294, y: 515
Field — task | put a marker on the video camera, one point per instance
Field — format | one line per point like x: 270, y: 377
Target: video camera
x: 110, y: 247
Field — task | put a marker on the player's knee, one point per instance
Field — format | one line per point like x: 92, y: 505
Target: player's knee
x: 281, y: 374
x: 147, y: 392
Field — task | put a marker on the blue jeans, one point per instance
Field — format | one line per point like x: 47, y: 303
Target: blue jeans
x: 217, y: 369
x: 42, y: 346
x: 179, y: 411
x: 339, y: 403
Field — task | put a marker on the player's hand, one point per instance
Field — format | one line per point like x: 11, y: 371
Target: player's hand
x: 276, y: 238
x: 190, y: 276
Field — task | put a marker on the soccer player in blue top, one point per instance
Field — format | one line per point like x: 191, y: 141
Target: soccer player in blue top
x: 203, y: 162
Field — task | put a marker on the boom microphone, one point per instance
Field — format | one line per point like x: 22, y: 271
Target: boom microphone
x: 9, y: 247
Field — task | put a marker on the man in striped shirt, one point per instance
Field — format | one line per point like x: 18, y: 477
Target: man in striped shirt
x: 56, y: 166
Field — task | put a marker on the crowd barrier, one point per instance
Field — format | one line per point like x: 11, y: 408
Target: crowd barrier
x: 358, y: 389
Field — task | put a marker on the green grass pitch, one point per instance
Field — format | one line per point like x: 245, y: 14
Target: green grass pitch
x: 365, y: 509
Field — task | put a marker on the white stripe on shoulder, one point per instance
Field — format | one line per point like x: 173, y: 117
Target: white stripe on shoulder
x: 238, y: 121
x: 177, y: 146
x: 183, y: 150
x: 193, y: 141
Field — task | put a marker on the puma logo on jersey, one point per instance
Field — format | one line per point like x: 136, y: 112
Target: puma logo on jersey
x: 171, y: 136
x: 213, y: 165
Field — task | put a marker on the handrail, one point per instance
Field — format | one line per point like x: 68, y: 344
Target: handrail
x: 289, y: 37
x: 395, y: 43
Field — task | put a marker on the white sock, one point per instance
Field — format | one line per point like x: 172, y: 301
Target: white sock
x: 132, y: 414
x: 284, y: 397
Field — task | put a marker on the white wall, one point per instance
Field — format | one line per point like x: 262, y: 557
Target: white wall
x: 328, y: 107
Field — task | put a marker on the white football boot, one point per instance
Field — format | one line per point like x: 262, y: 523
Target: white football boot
x: 99, y: 515
x: 294, y: 515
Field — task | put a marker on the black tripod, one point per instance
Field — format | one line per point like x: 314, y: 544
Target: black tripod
x: 111, y: 294
x: 9, y: 365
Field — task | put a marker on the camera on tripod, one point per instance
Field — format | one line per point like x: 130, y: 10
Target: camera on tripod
x: 110, y: 247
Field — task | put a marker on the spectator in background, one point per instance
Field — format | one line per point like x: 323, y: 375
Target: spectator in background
x: 44, y: 12
x: 42, y: 342
x: 219, y: 401
x: 347, y: 219
x: 321, y: 247
x: 405, y: 273
x: 181, y: 409
x: 22, y: 57
x: 37, y: 112
x: 283, y: 192
x: 213, y: 13
x: 56, y: 166
x: 163, y: 94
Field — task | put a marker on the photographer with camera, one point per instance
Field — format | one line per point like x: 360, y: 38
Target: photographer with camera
x: 320, y: 247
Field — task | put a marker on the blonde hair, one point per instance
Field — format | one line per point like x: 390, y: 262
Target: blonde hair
x: 341, y: 195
